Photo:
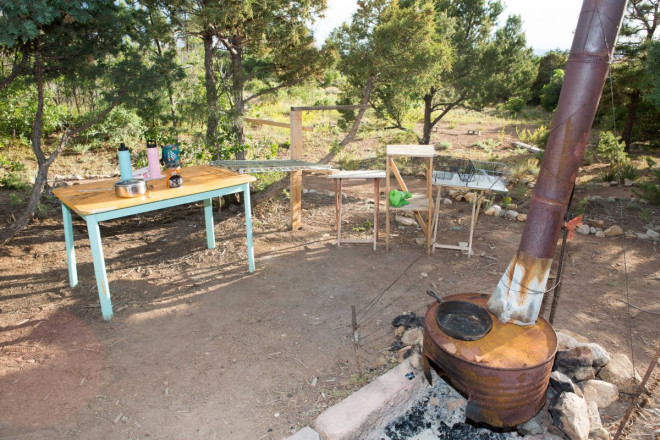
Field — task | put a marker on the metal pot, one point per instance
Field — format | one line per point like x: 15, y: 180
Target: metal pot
x: 130, y: 188
x: 461, y: 319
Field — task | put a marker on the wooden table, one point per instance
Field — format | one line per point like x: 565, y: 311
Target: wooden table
x: 479, y: 184
x: 96, y: 202
x: 338, y: 177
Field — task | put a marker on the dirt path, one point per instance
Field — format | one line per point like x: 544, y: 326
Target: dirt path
x: 200, y: 348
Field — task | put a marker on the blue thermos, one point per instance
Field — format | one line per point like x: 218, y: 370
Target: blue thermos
x: 125, y: 170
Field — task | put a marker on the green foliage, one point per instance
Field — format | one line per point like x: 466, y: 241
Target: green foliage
x: 652, y: 73
x: 551, y: 61
x: 610, y: 150
x: 550, y: 92
x: 506, y: 201
x: 488, y: 145
x: 645, y: 214
x: 650, y: 190
x: 514, y: 104
x: 121, y: 125
x: 12, y: 174
x: 18, y: 104
x: 444, y: 145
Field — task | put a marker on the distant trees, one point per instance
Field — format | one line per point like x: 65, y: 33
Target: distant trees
x: 266, y: 41
x: 548, y: 64
x: 640, y: 119
x: 446, y: 55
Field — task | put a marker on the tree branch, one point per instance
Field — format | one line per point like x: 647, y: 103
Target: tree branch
x: 272, y: 89
x: 16, y: 70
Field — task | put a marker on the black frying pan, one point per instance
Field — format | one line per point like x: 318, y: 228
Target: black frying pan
x: 461, y: 319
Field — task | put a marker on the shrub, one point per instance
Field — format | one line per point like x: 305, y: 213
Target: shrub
x: 515, y: 105
x: 550, y: 91
x: 610, y: 150
x: 650, y: 190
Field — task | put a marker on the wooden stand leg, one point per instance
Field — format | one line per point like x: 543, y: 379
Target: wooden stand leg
x: 248, y: 226
x: 338, y: 204
x: 476, y: 206
x: 99, y: 267
x: 208, y: 220
x: 387, y: 203
x: 376, y: 208
x: 436, y: 214
x: 70, y: 250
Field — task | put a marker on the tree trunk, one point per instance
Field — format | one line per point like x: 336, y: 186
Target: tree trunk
x: 170, y: 92
x: 358, y: 119
x: 211, y: 92
x: 237, y: 95
x: 626, y: 134
x: 428, y: 123
x: 40, y: 181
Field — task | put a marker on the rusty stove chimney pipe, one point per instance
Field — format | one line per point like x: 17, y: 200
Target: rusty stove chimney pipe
x: 519, y: 292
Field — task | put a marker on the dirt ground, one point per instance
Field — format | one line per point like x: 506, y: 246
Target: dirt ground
x: 199, y: 348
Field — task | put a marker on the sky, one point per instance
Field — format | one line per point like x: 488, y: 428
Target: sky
x: 548, y: 25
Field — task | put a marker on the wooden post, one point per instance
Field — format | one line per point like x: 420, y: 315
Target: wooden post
x: 296, y: 153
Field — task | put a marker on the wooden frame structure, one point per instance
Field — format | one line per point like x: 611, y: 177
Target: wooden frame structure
x: 418, y: 203
x: 338, y: 177
x: 296, y: 153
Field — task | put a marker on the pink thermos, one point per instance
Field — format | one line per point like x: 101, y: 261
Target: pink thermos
x: 154, y: 160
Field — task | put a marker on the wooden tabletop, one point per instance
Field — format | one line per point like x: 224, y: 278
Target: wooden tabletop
x: 96, y: 197
x: 411, y: 150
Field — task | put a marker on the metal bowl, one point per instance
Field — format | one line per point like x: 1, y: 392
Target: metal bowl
x: 130, y: 188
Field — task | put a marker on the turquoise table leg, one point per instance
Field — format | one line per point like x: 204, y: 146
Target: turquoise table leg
x: 248, y: 226
x: 208, y: 218
x: 70, y: 250
x: 99, y: 267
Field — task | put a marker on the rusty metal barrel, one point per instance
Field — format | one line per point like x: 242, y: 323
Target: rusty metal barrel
x: 505, y: 374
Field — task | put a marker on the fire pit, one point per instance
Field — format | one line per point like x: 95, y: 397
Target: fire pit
x: 505, y: 374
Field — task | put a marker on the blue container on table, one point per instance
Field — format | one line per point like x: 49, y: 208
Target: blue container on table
x: 125, y: 170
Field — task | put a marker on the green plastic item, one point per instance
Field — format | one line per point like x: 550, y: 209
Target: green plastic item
x: 398, y: 198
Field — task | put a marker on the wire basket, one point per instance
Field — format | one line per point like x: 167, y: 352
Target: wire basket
x: 445, y: 167
x: 491, y: 171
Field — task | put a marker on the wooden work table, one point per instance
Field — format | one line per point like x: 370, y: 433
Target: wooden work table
x: 96, y: 202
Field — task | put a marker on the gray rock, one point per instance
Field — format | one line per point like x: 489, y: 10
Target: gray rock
x: 511, y: 214
x: 412, y: 337
x: 601, y: 356
x: 402, y: 219
x: 530, y: 427
x: 613, y: 183
x: 599, y: 392
x: 628, y: 182
x: 512, y: 206
x: 447, y: 201
x: 596, y: 198
x: 566, y: 341
x: 569, y: 413
x: 600, y: 234
x: 306, y: 433
x: 563, y: 384
x: 619, y: 371
x: 611, y: 199
x: 641, y: 236
x: 470, y: 197
x: 652, y: 234
x: 592, y: 230
x: 576, y: 363
x: 596, y: 430
x: 613, y: 231
x: 583, y: 229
